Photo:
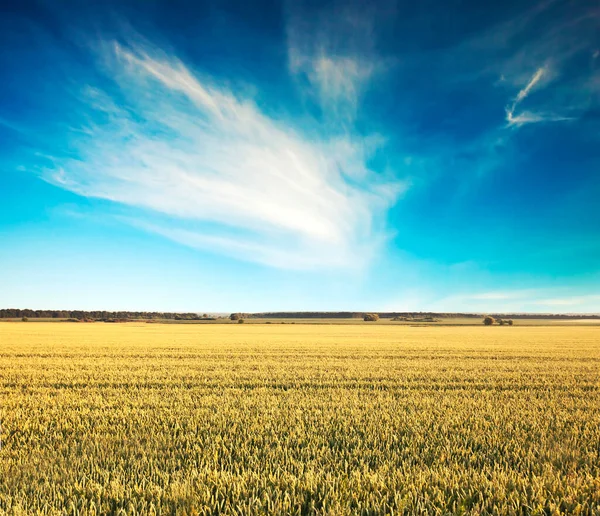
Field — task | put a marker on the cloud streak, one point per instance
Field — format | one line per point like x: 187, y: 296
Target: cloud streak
x: 338, y: 81
x: 210, y: 170
x: 593, y: 300
x: 527, y: 117
x: 520, y: 300
x: 533, y: 81
x: 331, y: 52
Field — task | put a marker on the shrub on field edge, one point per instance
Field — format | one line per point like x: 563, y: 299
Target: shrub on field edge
x: 488, y: 320
x: 24, y: 319
x: 371, y: 317
x: 510, y: 322
x: 240, y: 321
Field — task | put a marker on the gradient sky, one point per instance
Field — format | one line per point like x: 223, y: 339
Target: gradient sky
x: 250, y: 156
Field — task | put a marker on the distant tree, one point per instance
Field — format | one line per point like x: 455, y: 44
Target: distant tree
x: 371, y: 317
x: 24, y: 319
x: 488, y: 320
x: 501, y: 322
x: 510, y: 322
x: 235, y: 317
x: 240, y: 321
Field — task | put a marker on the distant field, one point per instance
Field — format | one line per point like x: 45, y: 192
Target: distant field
x: 444, y: 321
x: 333, y: 419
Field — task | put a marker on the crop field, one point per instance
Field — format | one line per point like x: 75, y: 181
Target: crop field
x: 299, y: 419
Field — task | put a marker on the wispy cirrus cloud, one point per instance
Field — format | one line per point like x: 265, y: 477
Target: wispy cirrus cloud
x: 572, y: 301
x: 532, y: 82
x: 521, y: 300
x: 527, y: 117
x: 337, y: 80
x: 542, y: 56
x: 212, y: 171
x: 554, y: 51
x: 334, y: 52
x: 501, y: 295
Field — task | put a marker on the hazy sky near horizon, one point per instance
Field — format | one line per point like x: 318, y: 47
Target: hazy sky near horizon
x: 250, y: 156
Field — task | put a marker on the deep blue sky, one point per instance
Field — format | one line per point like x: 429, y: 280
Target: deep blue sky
x: 223, y: 156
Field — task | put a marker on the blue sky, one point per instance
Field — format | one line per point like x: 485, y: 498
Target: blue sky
x: 225, y: 156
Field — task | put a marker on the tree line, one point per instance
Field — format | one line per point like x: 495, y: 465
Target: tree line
x: 410, y: 315
x: 103, y: 315
x: 353, y: 315
x: 97, y: 315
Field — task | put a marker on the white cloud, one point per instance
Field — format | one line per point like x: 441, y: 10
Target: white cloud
x: 499, y: 295
x: 527, y: 117
x: 571, y: 301
x: 332, y: 53
x: 493, y: 296
x: 224, y: 175
x: 532, y: 300
x: 532, y: 82
x: 338, y: 80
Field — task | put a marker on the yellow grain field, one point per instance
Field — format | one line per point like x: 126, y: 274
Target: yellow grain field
x: 298, y: 419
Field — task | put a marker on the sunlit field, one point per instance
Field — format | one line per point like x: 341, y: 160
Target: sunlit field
x: 299, y: 419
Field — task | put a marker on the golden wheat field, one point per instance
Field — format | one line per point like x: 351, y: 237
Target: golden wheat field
x: 299, y: 419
